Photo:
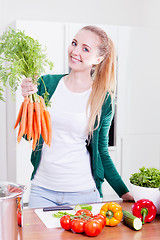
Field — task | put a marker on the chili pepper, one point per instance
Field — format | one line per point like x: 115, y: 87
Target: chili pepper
x: 113, y: 213
x: 145, y: 210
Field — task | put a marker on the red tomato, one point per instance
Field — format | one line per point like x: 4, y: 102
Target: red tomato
x: 101, y: 219
x: 65, y: 222
x: 19, y: 218
x: 84, y: 212
x: 19, y: 206
x: 93, y: 227
x: 77, y: 225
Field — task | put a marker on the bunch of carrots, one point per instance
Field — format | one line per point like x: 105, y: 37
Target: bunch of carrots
x: 34, y: 119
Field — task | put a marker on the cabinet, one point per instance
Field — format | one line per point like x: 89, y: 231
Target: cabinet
x: 137, y: 117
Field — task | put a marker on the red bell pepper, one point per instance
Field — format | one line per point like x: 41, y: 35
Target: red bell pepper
x: 145, y: 210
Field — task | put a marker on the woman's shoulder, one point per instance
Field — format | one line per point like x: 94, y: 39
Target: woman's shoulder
x: 52, y: 78
x: 49, y: 81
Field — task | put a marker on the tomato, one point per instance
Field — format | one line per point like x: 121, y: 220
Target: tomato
x: 101, y: 219
x: 19, y: 206
x: 77, y: 225
x: 65, y: 222
x: 19, y: 218
x: 93, y: 227
x: 84, y: 212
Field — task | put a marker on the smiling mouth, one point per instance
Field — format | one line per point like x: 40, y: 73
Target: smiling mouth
x: 75, y: 59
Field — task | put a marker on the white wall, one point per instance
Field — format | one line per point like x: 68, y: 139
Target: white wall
x: 3, y: 166
x: 122, y: 12
x: 151, y: 14
x: 116, y: 12
x: 3, y: 157
x: 138, y: 99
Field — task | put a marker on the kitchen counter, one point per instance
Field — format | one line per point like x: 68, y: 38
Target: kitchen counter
x: 34, y: 229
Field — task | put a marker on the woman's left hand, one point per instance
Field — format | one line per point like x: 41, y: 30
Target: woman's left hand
x: 127, y: 197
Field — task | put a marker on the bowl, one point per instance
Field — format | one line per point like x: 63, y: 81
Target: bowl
x: 153, y: 194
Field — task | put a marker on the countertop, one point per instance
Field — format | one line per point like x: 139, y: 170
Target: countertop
x: 34, y: 229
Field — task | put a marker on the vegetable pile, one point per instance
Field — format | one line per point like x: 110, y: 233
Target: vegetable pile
x: 147, y: 177
x: 110, y: 214
x: 143, y: 211
x: 22, y: 56
x: 34, y: 120
x: 83, y: 222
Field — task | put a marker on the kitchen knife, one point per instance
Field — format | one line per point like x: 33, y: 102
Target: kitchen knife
x: 57, y: 208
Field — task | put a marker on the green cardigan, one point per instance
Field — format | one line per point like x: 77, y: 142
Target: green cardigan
x: 101, y: 163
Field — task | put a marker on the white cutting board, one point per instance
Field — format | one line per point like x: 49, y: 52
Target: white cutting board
x: 51, y: 222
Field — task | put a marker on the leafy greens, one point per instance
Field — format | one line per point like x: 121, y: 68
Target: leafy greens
x: 61, y: 214
x: 147, y: 177
x: 20, y: 56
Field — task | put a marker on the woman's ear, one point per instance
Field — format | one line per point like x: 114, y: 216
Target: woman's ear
x: 99, y: 60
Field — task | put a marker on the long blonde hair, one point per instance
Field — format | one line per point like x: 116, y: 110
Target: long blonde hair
x: 103, y: 78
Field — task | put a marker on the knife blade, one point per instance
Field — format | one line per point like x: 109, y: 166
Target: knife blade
x: 57, y: 208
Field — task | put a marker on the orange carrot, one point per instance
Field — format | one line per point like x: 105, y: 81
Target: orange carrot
x: 35, y: 132
x: 30, y: 120
x: 34, y: 120
x: 19, y: 116
x: 19, y: 130
x: 42, y: 102
x: 44, y: 131
x: 47, y: 119
x: 49, y: 126
x: 38, y: 116
x: 24, y: 119
x: 26, y: 127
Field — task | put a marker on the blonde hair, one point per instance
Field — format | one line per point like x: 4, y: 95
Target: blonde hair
x: 103, y: 78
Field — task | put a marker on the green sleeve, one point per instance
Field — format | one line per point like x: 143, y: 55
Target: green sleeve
x: 50, y: 81
x: 110, y: 172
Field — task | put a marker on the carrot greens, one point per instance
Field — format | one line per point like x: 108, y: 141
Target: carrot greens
x: 20, y: 56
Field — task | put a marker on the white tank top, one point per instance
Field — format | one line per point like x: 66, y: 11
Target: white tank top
x: 65, y: 166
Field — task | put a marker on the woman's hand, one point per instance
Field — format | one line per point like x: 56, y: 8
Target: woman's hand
x: 127, y: 197
x: 28, y: 87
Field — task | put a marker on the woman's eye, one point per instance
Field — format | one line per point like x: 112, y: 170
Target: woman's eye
x: 74, y: 43
x: 86, y: 49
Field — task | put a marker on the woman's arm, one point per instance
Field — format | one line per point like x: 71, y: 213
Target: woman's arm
x: 110, y: 172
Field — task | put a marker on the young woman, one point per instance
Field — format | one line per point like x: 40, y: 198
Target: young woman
x: 72, y: 170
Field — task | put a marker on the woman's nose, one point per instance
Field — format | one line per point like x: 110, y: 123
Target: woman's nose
x: 76, y: 51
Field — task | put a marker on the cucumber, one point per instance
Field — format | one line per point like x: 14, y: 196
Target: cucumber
x: 132, y: 221
x: 83, y: 206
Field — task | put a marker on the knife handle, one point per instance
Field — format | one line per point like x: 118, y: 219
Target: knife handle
x: 57, y: 208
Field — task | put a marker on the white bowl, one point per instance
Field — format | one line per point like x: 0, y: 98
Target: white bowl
x: 152, y: 194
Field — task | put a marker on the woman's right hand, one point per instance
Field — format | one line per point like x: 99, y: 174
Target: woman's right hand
x: 28, y: 87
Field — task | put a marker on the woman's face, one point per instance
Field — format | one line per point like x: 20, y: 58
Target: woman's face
x: 83, y: 51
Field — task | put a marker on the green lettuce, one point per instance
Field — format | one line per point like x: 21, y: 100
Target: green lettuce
x: 147, y: 177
